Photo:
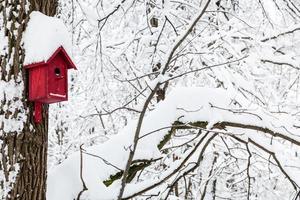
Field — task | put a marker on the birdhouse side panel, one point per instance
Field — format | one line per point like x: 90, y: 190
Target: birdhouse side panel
x: 57, y: 80
x: 38, y: 83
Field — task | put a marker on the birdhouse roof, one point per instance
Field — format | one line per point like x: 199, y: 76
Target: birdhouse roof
x: 61, y: 51
x: 44, y: 38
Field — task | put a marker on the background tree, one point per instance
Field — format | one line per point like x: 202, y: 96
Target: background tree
x: 120, y: 54
x: 23, y: 144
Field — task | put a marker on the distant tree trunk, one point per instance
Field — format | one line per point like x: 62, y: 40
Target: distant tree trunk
x: 23, y: 144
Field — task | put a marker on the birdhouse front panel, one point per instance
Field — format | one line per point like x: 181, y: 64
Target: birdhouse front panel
x: 37, y: 83
x: 57, y: 80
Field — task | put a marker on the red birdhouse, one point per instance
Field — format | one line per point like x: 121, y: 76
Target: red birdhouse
x: 48, y: 81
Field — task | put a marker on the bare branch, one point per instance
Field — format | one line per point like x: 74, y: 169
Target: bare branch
x: 280, y: 63
x: 184, y: 37
x: 281, y: 34
x: 208, y: 141
x: 272, y: 154
x: 135, y: 141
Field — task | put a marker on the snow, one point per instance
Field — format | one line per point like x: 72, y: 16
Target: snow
x: 11, y: 91
x: 272, y: 12
x: 116, y: 150
x: 3, y: 43
x: 43, y: 36
x: 183, y: 104
x: 91, y: 14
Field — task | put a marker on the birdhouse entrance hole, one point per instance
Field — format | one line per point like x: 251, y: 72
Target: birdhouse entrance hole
x: 57, y: 71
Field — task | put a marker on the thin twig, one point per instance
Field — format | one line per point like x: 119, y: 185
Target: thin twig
x: 105, y: 161
x: 84, y: 188
x: 204, y: 68
x: 248, y: 171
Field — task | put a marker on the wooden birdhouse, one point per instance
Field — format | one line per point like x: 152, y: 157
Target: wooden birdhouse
x: 48, y: 80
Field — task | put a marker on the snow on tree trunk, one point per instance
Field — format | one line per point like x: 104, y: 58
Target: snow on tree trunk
x: 23, y: 144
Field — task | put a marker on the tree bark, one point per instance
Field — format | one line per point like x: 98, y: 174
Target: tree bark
x: 23, y: 150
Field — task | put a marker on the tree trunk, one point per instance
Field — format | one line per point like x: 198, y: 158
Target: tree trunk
x: 23, y: 144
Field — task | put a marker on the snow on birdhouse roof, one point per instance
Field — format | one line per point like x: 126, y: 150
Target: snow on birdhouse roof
x: 43, y: 36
